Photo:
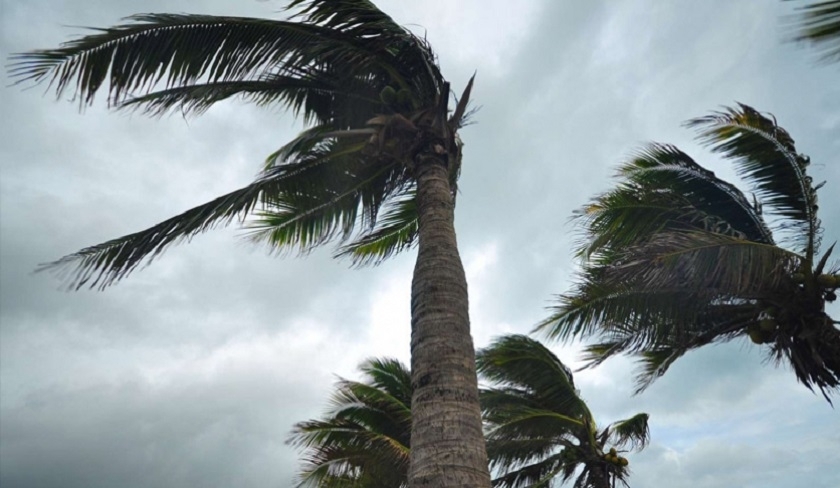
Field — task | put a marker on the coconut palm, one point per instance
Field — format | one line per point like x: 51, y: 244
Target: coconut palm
x: 375, y: 172
x: 363, y: 439
x: 819, y: 24
x: 539, y: 429
x: 675, y: 258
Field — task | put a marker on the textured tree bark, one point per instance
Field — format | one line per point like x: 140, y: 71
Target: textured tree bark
x: 447, y: 442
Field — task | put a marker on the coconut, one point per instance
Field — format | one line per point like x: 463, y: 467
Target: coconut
x: 767, y: 324
x: 827, y: 280
x: 388, y: 95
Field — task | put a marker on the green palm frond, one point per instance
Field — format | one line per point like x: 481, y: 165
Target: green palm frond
x: 540, y: 474
x: 101, y: 265
x: 363, y: 440
x: 633, y: 433
x: 520, y: 362
x: 765, y: 155
x: 819, y: 24
x: 538, y: 428
x: 179, y: 50
x: 701, y: 261
x: 313, y: 94
x: 396, y: 231
x: 663, y: 189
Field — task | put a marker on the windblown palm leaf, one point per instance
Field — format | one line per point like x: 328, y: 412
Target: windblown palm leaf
x: 363, y: 439
x: 330, y: 64
x: 539, y: 430
x: 676, y: 258
x: 819, y: 24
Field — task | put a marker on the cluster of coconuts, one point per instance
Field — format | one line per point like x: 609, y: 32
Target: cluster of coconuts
x: 614, y: 458
x: 828, y: 282
x: 397, y: 100
x: 763, y: 331
x: 824, y: 280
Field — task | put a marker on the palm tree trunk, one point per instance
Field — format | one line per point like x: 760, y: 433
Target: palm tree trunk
x: 447, y: 442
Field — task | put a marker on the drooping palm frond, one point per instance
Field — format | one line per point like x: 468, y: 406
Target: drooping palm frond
x: 520, y: 362
x: 819, y: 24
x: 664, y: 189
x: 103, y: 264
x: 363, y: 439
x: 765, y: 155
x: 539, y: 429
x: 396, y: 231
x: 675, y: 258
x: 633, y: 433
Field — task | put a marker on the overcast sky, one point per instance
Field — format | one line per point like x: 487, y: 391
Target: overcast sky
x: 191, y: 372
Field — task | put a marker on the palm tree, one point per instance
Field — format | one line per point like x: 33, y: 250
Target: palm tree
x: 819, y: 24
x: 675, y: 258
x: 375, y: 171
x: 363, y: 440
x: 538, y: 426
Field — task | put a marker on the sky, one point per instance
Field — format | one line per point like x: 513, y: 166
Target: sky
x: 192, y: 371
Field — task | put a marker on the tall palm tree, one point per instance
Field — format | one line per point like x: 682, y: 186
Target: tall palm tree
x: 538, y: 426
x: 819, y: 24
x: 375, y: 171
x: 363, y: 440
x: 675, y: 258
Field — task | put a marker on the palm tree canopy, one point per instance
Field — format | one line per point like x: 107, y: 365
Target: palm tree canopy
x: 363, y: 438
x: 819, y: 24
x: 370, y: 91
x: 675, y: 258
x: 538, y: 426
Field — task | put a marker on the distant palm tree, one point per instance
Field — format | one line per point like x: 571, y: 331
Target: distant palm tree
x: 675, y: 258
x: 819, y: 24
x: 363, y: 440
x: 539, y: 429
x: 376, y: 170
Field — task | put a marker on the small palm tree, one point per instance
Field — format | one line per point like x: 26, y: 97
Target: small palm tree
x: 675, y: 258
x: 363, y: 439
x: 819, y: 24
x: 540, y: 429
x: 376, y: 170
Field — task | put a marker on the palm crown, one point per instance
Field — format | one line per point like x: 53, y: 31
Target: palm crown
x: 676, y: 258
x: 538, y: 426
x: 370, y: 91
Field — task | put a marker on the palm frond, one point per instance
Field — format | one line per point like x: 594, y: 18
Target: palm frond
x: 396, y: 231
x: 539, y: 474
x: 102, y: 265
x: 363, y: 439
x: 181, y: 49
x: 703, y: 261
x: 633, y: 433
x: 312, y: 95
x: 389, y: 375
x: 764, y: 154
x: 521, y: 362
x: 819, y: 24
